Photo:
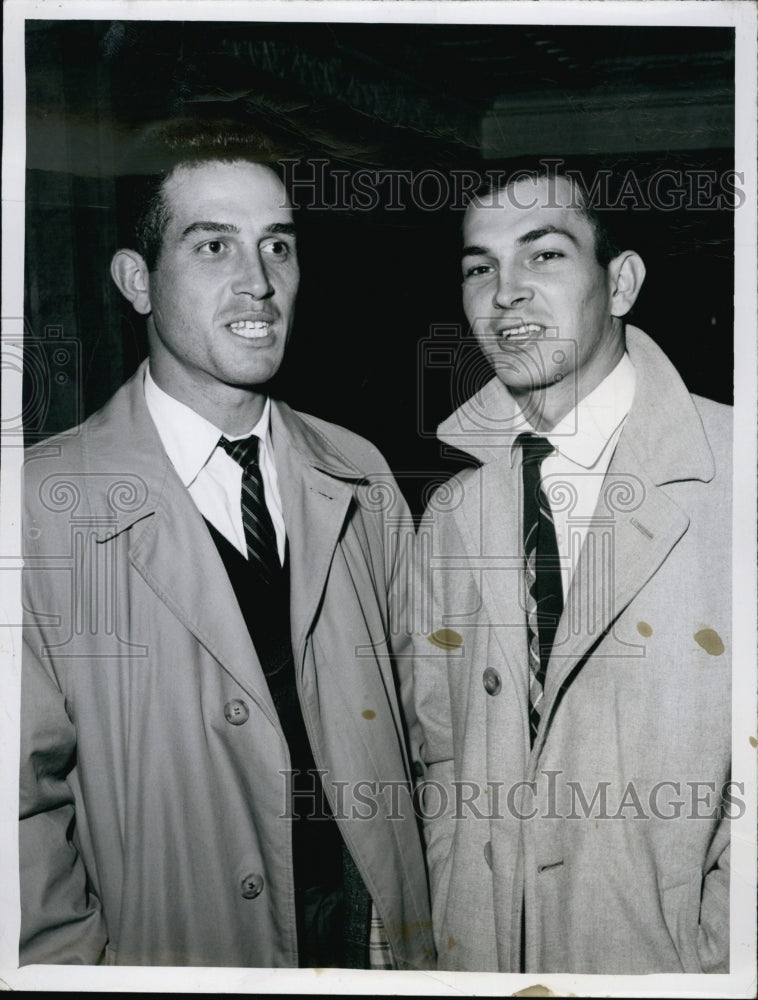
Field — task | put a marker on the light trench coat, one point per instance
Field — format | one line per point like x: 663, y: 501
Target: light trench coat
x: 153, y: 765
x: 609, y: 836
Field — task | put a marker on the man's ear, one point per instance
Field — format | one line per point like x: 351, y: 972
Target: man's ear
x: 626, y: 274
x: 129, y: 271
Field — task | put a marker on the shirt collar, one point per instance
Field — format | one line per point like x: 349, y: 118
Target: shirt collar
x: 583, y: 434
x: 188, y: 438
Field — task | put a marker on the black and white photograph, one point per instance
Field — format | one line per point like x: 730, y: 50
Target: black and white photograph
x: 378, y: 497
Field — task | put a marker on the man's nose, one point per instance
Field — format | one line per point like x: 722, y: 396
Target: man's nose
x: 511, y: 289
x: 252, y: 277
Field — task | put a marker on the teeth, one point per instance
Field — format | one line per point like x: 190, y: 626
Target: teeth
x: 525, y: 330
x: 250, y: 328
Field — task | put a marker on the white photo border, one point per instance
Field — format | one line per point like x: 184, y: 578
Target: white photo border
x: 741, y: 981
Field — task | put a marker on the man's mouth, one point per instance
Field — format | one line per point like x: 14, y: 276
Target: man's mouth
x: 250, y: 329
x: 524, y: 331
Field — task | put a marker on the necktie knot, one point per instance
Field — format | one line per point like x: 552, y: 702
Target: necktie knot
x: 534, y: 447
x: 244, y: 452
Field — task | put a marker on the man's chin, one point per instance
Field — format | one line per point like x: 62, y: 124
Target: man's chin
x: 259, y: 384
x: 523, y: 374
x: 254, y: 378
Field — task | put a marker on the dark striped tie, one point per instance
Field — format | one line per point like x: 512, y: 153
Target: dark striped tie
x: 542, y: 572
x: 260, y: 536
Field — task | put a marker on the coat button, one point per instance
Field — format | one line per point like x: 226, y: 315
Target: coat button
x: 236, y: 712
x: 491, y: 680
x: 251, y: 886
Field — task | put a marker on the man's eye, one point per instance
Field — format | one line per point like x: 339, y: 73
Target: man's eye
x: 476, y: 270
x: 546, y: 255
x: 212, y: 247
x: 276, y: 248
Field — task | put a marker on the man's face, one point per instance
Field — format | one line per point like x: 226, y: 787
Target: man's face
x: 539, y: 304
x: 222, y: 295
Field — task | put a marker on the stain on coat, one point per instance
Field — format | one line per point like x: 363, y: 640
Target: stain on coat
x: 446, y: 638
x: 710, y: 640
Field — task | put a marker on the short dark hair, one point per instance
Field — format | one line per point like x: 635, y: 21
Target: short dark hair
x: 606, y: 243
x: 160, y: 150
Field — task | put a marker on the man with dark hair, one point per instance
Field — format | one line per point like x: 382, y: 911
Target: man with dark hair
x: 573, y: 677
x: 215, y: 762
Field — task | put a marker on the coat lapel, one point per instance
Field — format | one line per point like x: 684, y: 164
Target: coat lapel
x: 170, y: 546
x: 315, y: 506
x: 178, y: 559
x: 634, y: 528
x: 635, y: 524
x: 485, y: 427
x: 501, y: 576
x: 316, y: 487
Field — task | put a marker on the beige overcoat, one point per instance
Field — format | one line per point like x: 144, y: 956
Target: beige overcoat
x: 611, y: 835
x: 153, y: 765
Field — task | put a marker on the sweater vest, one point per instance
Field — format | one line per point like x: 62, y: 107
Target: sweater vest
x: 331, y: 902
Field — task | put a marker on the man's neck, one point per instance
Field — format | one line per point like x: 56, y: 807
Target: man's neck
x: 545, y: 406
x: 235, y: 410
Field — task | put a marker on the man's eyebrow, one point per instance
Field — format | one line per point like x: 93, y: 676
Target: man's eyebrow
x: 209, y: 227
x: 531, y: 237
x: 536, y: 234
x: 276, y: 228
x: 474, y: 251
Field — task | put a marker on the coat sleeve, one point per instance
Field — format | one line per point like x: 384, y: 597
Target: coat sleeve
x: 61, y: 919
x: 435, y: 726
x: 401, y: 614
x: 713, y: 930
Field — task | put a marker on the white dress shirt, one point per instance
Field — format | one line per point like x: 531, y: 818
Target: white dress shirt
x: 584, y: 442
x: 213, y: 478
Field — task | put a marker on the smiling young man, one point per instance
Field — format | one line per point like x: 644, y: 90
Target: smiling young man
x: 212, y: 710
x: 573, y: 681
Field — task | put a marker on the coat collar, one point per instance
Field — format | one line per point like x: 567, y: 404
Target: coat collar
x: 485, y: 425
x: 131, y: 483
x: 635, y: 526
x: 127, y: 469
x: 313, y: 447
x: 129, y: 473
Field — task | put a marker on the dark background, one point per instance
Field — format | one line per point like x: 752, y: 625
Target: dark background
x: 375, y: 284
